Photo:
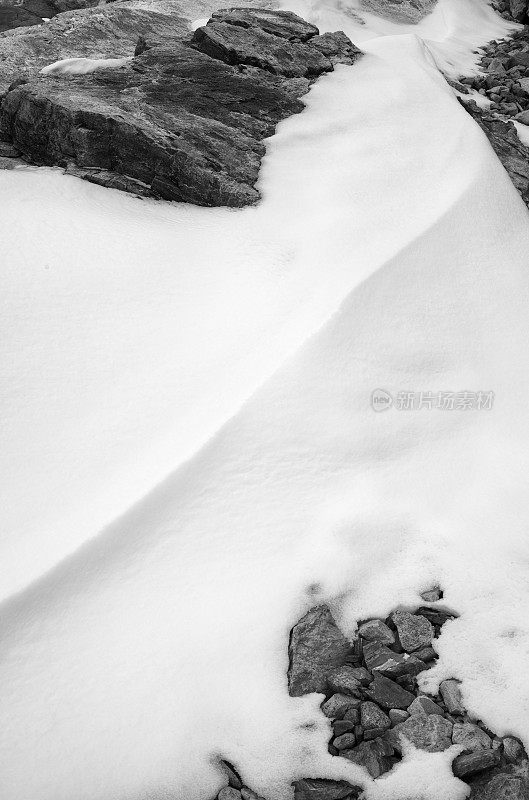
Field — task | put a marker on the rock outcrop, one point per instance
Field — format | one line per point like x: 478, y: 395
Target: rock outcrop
x: 184, y: 120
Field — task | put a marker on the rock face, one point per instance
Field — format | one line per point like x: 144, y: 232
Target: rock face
x: 410, y: 11
x: 317, y: 646
x: 184, y: 120
x: 16, y: 14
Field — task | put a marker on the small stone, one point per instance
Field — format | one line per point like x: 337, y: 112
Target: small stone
x: 380, y: 658
x: 376, y: 631
x: 425, y: 705
x: 320, y: 789
x: 234, y: 779
x: 471, y: 737
x: 451, y: 694
x: 472, y: 763
x: 362, y: 675
x: 373, y: 756
x: 415, y: 631
x: 513, y: 749
x: 359, y: 733
x: 372, y: 716
x: 432, y: 595
x: 397, y: 715
x: 338, y: 704
x: 229, y: 793
x: 345, y: 742
x: 341, y: 726
x: 435, y: 615
x: 352, y: 714
x: 373, y: 733
x: 496, y: 66
x: 426, y: 654
x: 388, y: 694
x: 316, y: 646
x: 248, y: 794
x: 431, y: 733
x: 341, y: 680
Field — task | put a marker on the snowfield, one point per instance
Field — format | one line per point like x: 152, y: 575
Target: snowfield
x: 189, y: 449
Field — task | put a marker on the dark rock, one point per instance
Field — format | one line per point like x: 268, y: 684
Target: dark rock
x: 388, y: 694
x: 376, y: 631
x: 415, y: 631
x: 8, y: 151
x: 431, y: 733
x: 471, y: 737
x: 518, y: 9
x: 341, y: 726
x: 337, y: 47
x: 342, y: 680
x: 435, y: 615
x: 513, y: 750
x: 451, y: 693
x: 234, y: 779
x: 338, y: 704
x: 504, y: 785
x: 471, y: 763
x: 380, y: 658
x: 352, y: 714
x: 141, y: 46
x: 397, y: 715
x: 345, y: 742
x: 426, y: 654
x: 248, y: 794
x: 372, y: 716
x: 424, y: 705
x: 319, y: 789
x: 229, y: 793
x: 316, y: 647
x: 375, y: 756
x: 362, y: 675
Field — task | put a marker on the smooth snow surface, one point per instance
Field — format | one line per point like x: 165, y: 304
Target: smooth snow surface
x: 389, y: 252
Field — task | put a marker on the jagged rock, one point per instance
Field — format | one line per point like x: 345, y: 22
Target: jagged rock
x: 319, y: 789
x: 345, y: 742
x: 424, y: 705
x: 338, y: 704
x: 451, y: 693
x: 341, y: 726
x: 504, y: 785
x: 471, y: 763
x: 432, y: 595
x: 388, y: 694
x: 372, y: 716
x: 513, y: 749
x: 375, y: 756
x: 397, y: 715
x: 380, y: 658
x: 352, y: 714
x: 518, y: 9
x: 343, y: 681
x: 410, y: 11
x: 229, y: 793
x: 427, y: 732
x: 175, y: 122
x: 8, y: 151
x: 248, y: 794
x: 471, y: 737
x: 316, y: 646
x: 362, y: 675
x: 337, y: 47
x: 414, y: 630
x: 374, y: 630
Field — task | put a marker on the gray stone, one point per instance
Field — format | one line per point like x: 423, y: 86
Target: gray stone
x: 353, y: 714
x: 338, y: 704
x: 496, y: 67
x: 316, y: 646
x: 8, y: 151
x: 518, y: 9
x: 372, y: 716
x: 341, y: 726
x: 345, y: 742
x: 431, y: 733
x: 513, y: 749
x: 414, y: 631
x: 388, y: 694
x: 229, y: 793
x: 523, y: 117
x: 234, y: 779
x: 397, y: 715
x: 502, y: 786
x: 425, y: 705
x: 432, y: 595
x: 374, y: 630
x: 342, y: 680
x: 451, y: 693
x: 374, y: 756
x: 362, y: 675
x: 248, y: 794
x: 320, y: 789
x: 471, y: 763
x: 425, y: 654
x: 381, y: 659
x: 471, y: 737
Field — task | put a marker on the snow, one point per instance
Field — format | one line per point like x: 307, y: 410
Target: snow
x: 82, y: 66
x: 523, y: 132
x: 188, y: 443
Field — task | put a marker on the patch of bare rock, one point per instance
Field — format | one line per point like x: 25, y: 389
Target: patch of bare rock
x: 375, y: 706
x: 184, y: 119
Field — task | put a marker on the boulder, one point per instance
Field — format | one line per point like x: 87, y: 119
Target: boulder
x: 315, y: 648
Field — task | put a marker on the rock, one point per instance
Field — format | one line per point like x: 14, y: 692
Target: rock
x: 374, y: 756
x: 513, y: 749
x: 435, y: 615
x: 427, y: 732
x: 501, y: 786
x: 8, y: 151
x: 341, y: 726
x: 415, y: 631
x: 141, y: 46
x: 229, y: 793
x: 524, y: 85
x: 380, y: 658
x: 518, y: 9
x: 362, y: 675
x: 432, y: 595
x: 376, y: 631
x: 319, y: 789
x: 523, y: 117
x: 338, y: 704
x: 451, y: 694
x: 397, y: 715
x: 471, y: 763
x: 352, y: 715
x: 407, y: 11
x: 248, y: 794
x: 345, y: 742
x: 342, y: 680
x: 496, y: 67
x: 185, y: 121
x: 337, y: 47
x: 424, y: 705
x: 234, y: 779
x: 471, y: 737
x: 372, y: 716
x: 520, y: 59
x: 425, y: 654
x: 388, y: 694
x: 316, y: 647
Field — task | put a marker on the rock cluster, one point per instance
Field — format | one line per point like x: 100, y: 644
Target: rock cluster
x: 516, y: 10
x: 23, y: 13
x: 182, y: 120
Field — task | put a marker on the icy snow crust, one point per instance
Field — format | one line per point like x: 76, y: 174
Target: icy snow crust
x: 390, y: 252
